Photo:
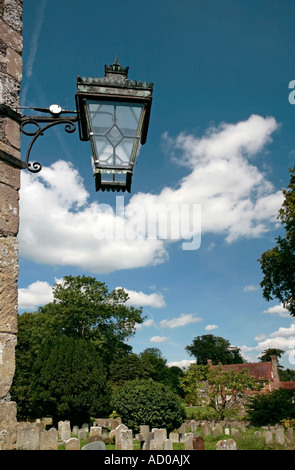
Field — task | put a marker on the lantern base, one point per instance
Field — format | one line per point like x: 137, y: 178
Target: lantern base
x: 113, y: 185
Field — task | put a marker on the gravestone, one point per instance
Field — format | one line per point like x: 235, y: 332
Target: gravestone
x: 73, y: 444
x: 145, y: 440
x: 174, y: 436
x: 290, y: 435
x: 144, y: 429
x: 227, y: 444
x: 168, y: 444
x: 63, y: 426
x: 206, y: 429
x: 193, y: 425
x: 198, y: 443
x: 28, y: 436
x: 235, y: 433
x: 216, y: 431
x: 160, y: 431
x: 49, y: 440
x: 65, y: 435
x: 97, y: 445
x: 125, y: 440
x: 159, y: 436
x: 82, y: 434
x: 182, y: 429
x: 95, y: 431
x: 268, y: 437
x: 188, y: 440
x: 280, y: 436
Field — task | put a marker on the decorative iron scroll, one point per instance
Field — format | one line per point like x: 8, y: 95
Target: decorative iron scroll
x: 49, y: 121
x: 70, y: 127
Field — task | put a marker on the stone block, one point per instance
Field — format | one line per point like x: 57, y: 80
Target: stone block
x: 12, y: 13
x: 9, y: 175
x: 12, y: 133
x: 8, y: 425
x: 9, y: 215
x: 7, y: 362
x: 8, y: 304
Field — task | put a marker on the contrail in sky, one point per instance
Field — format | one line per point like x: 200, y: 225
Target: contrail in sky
x: 34, y: 44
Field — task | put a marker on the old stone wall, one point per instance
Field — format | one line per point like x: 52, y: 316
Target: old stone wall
x: 11, y: 44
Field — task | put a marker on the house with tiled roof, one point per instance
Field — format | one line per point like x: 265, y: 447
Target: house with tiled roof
x: 265, y: 373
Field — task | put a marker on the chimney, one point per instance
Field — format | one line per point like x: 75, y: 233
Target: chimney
x: 275, y: 371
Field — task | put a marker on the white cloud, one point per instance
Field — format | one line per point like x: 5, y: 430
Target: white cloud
x: 236, y: 198
x: 59, y: 226
x: 158, y: 339
x: 211, y: 327
x: 36, y: 294
x: 250, y: 288
x: 281, y: 332
x: 283, y: 338
x: 183, y: 320
x: 278, y: 342
x: 278, y: 310
x: 184, y: 364
x: 260, y: 337
x: 138, y: 298
x: 149, y: 323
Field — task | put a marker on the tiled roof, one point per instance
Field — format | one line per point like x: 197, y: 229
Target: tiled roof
x: 258, y: 370
x: 289, y: 385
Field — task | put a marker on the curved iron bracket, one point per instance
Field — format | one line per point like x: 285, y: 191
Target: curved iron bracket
x: 42, y: 123
x: 70, y: 127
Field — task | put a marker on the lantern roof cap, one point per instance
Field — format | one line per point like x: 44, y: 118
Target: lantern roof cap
x: 116, y: 76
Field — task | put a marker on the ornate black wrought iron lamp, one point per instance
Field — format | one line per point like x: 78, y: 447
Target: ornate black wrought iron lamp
x: 113, y: 112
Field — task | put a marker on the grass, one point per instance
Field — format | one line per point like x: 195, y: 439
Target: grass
x: 247, y: 441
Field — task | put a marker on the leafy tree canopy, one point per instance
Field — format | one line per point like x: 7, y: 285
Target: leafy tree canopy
x: 217, y: 388
x: 214, y: 348
x: 278, y: 263
x: 69, y: 381
x: 84, y: 308
x: 271, y: 408
x: 267, y: 353
x: 148, y: 402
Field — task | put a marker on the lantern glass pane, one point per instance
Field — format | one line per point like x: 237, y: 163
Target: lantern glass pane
x: 115, y: 130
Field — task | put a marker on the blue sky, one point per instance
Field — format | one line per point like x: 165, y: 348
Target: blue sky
x: 221, y: 137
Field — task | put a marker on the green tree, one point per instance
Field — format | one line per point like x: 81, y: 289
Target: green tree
x: 69, y: 381
x: 153, y: 360
x: 267, y: 353
x: 272, y: 407
x: 129, y: 367
x: 148, y: 402
x: 29, y: 340
x: 278, y: 263
x: 214, y: 348
x: 148, y: 364
x: 216, y: 387
x: 82, y: 308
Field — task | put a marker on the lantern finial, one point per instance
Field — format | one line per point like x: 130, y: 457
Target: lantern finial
x: 116, y: 68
